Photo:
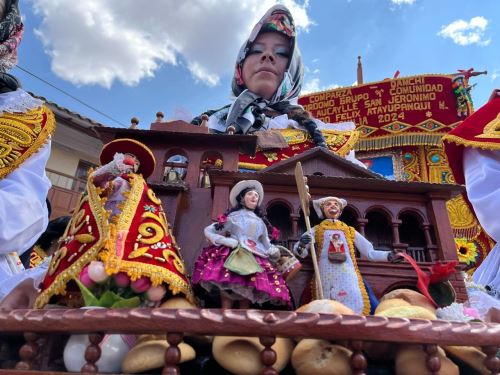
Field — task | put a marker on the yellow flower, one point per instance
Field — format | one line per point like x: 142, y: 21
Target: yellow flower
x: 466, y: 250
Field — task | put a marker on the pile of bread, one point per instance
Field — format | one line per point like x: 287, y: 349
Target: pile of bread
x: 242, y: 355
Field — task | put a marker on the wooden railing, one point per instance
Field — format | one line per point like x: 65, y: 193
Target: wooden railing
x: 267, y: 325
x: 65, y: 181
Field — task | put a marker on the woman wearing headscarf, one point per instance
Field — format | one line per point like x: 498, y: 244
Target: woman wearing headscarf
x: 267, y: 82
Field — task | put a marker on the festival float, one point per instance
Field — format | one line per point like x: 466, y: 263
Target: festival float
x: 403, y: 203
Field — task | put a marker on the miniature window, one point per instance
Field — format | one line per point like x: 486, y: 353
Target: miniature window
x: 278, y: 214
x: 210, y: 160
x: 378, y: 230
x: 412, y: 234
x: 175, y: 167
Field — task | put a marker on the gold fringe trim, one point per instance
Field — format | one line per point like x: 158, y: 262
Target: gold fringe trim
x: 58, y: 286
x: 252, y: 166
x: 349, y: 233
x: 135, y: 270
x: 399, y: 140
x: 331, y: 135
x: 26, y: 129
x: 476, y: 144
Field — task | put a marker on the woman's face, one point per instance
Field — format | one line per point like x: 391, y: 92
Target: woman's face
x: 265, y: 64
x: 251, y: 199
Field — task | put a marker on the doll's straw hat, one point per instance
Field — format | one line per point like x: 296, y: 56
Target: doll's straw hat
x: 242, y: 185
x: 130, y: 146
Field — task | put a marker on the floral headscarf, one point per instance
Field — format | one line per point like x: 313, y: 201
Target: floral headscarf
x: 11, y: 30
x: 245, y: 112
x: 277, y: 19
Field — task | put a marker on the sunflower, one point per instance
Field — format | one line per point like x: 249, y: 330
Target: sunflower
x: 466, y: 250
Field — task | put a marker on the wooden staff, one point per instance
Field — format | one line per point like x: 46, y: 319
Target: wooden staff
x: 304, y: 196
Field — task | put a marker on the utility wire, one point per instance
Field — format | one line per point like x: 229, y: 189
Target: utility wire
x: 72, y: 96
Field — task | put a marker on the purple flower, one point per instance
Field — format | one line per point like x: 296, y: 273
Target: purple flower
x: 275, y: 234
x: 141, y: 285
x: 85, y: 279
x: 121, y: 279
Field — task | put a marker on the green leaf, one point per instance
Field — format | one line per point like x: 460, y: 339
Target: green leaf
x: 108, y: 298
x: 88, y: 296
x: 127, y: 303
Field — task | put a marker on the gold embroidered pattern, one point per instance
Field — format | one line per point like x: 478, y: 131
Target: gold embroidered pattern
x: 349, y: 233
x: 462, y: 220
x: 96, y: 205
x: 485, y: 145
x: 148, y: 232
x: 492, y: 129
x: 22, y: 135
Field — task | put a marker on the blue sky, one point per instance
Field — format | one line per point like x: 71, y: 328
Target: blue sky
x: 132, y: 58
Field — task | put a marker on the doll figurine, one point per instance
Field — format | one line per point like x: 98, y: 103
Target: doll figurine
x: 335, y: 243
x: 119, y: 228
x: 241, y: 263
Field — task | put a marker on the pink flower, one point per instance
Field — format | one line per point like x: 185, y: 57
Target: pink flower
x: 275, y: 234
x: 222, y: 219
x: 85, y: 279
x: 121, y: 279
x: 97, y: 272
x: 156, y: 293
x: 472, y: 312
x: 141, y: 285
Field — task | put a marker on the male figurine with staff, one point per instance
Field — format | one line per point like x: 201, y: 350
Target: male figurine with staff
x: 332, y: 246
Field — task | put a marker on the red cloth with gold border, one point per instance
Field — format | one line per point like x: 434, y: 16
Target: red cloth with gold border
x: 138, y: 241
x: 480, y: 130
x: 22, y: 135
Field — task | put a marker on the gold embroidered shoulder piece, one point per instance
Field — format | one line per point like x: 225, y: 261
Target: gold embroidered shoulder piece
x: 22, y: 135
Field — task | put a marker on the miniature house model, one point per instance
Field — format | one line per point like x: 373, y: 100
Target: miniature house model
x: 195, y: 172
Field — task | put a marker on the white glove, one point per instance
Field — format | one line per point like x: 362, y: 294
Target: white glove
x: 229, y: 242
x: 274, y: 253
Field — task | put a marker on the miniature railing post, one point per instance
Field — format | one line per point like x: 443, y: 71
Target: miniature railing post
x: 358, y: 359
x: 92, y: 353
x: 433, y: 361
x: 28, y: 352
x: 268, y: 355
x: 172, y: 354
x: 492, y: 362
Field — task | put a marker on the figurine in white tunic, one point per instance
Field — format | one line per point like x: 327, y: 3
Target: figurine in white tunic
x: 335, y: 244
x: 240, y: 263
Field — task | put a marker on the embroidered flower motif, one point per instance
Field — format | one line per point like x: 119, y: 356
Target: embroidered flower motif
x: 271, y: 156
x: 150, y: 208
x: 466, y: 250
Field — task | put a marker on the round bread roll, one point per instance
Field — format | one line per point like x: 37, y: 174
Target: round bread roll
x: 320, y: 357
x: 389, y: 303
x: 470, y: 355
x: 150, y: 355
x: 415, y: 312
x: 411, y: 360
x: 178, y: 303
x: 410, y: 296
x: 326, y: 306
x: 241, y: 355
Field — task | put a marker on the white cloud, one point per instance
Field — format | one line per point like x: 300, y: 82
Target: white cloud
x: 495, y: 74
x: 99, y: 42
x: 465, y: 33
x: 401, y: 2
x: 314, y: 85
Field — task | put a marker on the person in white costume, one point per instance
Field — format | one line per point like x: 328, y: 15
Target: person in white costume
x: 473, y: 150
x: 24, y: 151
x: 340, y: 276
